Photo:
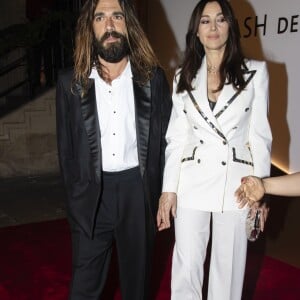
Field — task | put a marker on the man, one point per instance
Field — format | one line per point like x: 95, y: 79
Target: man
x: 112, y: 115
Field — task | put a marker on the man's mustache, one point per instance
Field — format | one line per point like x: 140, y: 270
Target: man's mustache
x: 109, y: 34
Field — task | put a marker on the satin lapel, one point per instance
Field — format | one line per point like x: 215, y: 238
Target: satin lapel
x: 142, y: 98
x: 91, y: 123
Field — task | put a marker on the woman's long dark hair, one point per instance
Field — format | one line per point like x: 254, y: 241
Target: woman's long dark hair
x: 233, y: 64
x: 142, y: 57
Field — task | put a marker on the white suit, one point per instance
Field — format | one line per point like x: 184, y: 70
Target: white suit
x: 207, y: 154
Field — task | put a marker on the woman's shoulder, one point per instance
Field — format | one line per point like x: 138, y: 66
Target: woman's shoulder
x: 253, y: 64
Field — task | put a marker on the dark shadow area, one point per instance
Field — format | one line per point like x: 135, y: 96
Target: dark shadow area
x: 279, y: 207
x: 32, y: 52
x: 254, y: 265
x: 110, y: 289
x: 162, y: 38
x: 162, y: 254
x: 31, y: 199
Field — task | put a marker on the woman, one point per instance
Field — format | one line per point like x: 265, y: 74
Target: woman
x: 218, y: 133
x: 253, y: 188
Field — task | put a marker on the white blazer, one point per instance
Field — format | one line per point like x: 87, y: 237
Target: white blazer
x: 209, y: 151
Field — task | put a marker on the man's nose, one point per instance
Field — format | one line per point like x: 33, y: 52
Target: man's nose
x: 110, y: 24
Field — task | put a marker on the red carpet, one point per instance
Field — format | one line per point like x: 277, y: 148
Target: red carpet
x: 35, y: 265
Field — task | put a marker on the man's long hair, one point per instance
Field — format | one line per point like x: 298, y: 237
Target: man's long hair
x: 233, y: 64
x: 142, y: 57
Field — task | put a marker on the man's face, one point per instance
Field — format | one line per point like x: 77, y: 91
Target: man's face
x: 110, y: 31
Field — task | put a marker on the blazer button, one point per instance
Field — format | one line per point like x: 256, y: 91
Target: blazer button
x: 201, y: 142
x: 224, y: 143
x: 223, y: 163
x: 195, y: 127
x: 199, y: 161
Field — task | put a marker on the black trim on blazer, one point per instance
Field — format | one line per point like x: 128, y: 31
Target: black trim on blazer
x: 252, y: 73
x: 242, y: 161
x: 205, y: 117
x: 190, y: 157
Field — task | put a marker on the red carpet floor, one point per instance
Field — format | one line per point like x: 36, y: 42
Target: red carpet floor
x: 35, y: 265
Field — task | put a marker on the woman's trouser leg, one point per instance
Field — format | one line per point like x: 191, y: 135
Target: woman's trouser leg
x: 192, y: 229
x: 228, y: 255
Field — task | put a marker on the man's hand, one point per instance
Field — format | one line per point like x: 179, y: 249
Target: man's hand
x: 167, y: 207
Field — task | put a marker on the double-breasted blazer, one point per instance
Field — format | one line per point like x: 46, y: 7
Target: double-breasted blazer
x: 209, y: 151
x: 79, y: 144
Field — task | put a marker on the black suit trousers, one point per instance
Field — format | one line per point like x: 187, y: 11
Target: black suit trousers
x: 121, y: 217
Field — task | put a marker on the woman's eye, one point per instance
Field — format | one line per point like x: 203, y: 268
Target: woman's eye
x: 221, y: 20
x: 204, y: 21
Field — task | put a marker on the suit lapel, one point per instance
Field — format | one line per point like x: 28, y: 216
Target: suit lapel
x: 200, y: 99
x: 229, y: 95
x: 142, y: 98
x: 91, y: 123
x: 200, y: 92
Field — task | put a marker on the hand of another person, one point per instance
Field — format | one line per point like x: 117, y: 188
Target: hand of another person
x: 250, y: 191
x: 167, y: 206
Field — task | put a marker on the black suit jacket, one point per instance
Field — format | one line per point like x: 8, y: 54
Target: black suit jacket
x: 79, y: 146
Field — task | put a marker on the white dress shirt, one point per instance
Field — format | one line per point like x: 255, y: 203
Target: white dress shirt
x: 116, y: 114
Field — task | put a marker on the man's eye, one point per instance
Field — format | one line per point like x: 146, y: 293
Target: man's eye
x: 119, y: 17
x: 99, y: 18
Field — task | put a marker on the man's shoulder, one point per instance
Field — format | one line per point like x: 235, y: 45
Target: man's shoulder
x: 158, y: 71
x: 66, y: 75
x: 159, y: 75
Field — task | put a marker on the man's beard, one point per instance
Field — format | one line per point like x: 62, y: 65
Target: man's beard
x: 112, y: 52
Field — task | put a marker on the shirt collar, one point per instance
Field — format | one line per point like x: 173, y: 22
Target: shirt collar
x: 127, y: 73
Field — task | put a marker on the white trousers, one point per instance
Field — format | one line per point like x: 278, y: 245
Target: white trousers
x: 228, y: 254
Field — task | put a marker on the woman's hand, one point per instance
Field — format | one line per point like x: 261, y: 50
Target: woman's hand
x: 167, y: 206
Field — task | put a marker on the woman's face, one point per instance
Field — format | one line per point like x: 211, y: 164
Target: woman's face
x: 213, y: 28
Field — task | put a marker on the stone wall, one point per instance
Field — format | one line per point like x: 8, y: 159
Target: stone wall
x: 28, y: 139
